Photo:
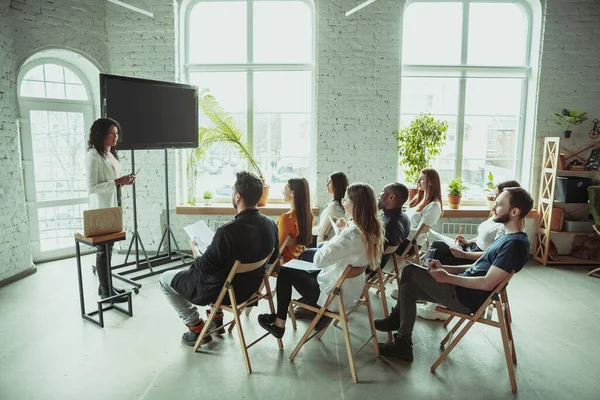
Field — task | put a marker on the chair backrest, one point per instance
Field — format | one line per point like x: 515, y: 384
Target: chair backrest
x: 413, y: 243
x: 391, y: 249
x: 494, y: 295
x: 240, y: 268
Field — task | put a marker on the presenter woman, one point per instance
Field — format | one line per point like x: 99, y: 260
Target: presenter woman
x: 104, y: 188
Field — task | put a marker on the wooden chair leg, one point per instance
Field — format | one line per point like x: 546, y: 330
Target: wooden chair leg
x: 346, y: 333
x: 452, y: 345
x: 372, y: 326
x: 593, y: 272
x: 292, y: 315
x: 451, y: 333
x: 507, y: 355
x: 447, y: 322
x: 504, y: 298
x: 272, y: 308
x: 236, y: 316
x: 306, y: 335
x: 383, y: 300
x: 211, y: 316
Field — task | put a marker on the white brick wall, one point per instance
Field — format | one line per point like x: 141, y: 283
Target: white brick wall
x: 15, y: 251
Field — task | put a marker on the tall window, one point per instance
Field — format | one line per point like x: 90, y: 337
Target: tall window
x: 257, y: 59
x: 467, y: 62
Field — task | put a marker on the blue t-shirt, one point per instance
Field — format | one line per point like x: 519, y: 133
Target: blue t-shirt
x: 509, y: 253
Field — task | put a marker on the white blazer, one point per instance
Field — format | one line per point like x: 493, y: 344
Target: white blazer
x: 332, y: 209
x: 342, y: 250
x: 100, y: 181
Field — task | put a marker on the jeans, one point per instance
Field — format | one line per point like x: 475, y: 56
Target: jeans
x: 186, y: 310
x: 417, y: 284
x: 304, y: 282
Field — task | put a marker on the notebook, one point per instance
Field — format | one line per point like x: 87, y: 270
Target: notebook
x: 102, y: 221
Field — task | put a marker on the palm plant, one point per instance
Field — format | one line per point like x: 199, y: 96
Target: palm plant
x: 224, y: 130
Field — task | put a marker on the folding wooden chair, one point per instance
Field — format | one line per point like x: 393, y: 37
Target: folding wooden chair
x: 497, y: 300
x: 400, y: 260
x: 237, y: 309
x: 341, y: 315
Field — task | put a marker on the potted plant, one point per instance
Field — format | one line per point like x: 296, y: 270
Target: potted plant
x: 490, y: 190
x: 225, y: 130
x: 419, y: 143
x: 569, y: 119
x: 207, y: 198
x: 455, y: 191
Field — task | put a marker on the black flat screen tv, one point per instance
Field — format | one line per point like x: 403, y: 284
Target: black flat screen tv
x: 152, y: 114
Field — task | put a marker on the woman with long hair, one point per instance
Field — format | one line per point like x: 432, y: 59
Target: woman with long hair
x: 336, y: 187
x: 296, y: 223
x: 359, y: 243
x: 104, y: 188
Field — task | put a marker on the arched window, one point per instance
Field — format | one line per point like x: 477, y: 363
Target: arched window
x: 468, y: 62
x: 56, y: 112
x: 257, y: 59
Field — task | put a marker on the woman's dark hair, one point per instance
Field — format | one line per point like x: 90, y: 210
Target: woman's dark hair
x: 506, y: 184
x: 98, y: 132
x: 339, y: 184
x: 302, y: 206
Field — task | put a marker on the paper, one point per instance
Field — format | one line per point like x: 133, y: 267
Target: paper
x: 301, y: 265
x: 202, y: 233
x: 450, y: 242
x: 336, y: 230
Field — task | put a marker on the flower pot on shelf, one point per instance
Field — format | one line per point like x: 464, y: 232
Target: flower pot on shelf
x: 264, y: 197
x: 412, y: 192
x: 491, y: 201
x: 454, y: 201
x: 207, y: 202
x: 567, y: 134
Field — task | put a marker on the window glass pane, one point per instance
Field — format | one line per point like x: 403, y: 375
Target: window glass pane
x: 76, y: 92
x: 475, y: 172
x: 282, y: 32
x: 283, y: 169
x: 493, y: 96
x: 497, y: 34
x: 33, y: 89
x: 55, y: 90
x: 35, y: 73
x: 217, y: 32
x: 54, y: 73
x: 282, y: 91
x: 70, y: 77
x: 432, y: 33
x: 57, y: 225
x: 434, y: 95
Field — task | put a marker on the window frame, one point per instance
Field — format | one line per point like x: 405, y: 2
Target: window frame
x: 249, y: 67
x: 465, y: 71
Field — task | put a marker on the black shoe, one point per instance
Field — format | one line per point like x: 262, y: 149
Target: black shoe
x: 303, y: 313
x: 389, y: 323
x: 399, y: 348
x: 122, y: 299
x: 394, y: 294
x: 216, y: 323
x: 116, y: 290
x: 267, y: 321
x: 323, y: 323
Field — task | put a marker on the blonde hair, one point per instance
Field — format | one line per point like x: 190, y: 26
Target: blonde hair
x: 364, y: 215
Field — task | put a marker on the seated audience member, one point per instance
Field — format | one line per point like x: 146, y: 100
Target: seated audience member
x: 359, y: 243
x: 471, y: 250
x: 336, y: 186
x: 460, y: 288
x: 250, y: 237
x: 296, y: 223
x: 395, y: 222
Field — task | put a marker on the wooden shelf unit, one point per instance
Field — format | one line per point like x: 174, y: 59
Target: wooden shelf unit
x: 550, y: 170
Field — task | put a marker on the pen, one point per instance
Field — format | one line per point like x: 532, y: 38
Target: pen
x: 459, y: 232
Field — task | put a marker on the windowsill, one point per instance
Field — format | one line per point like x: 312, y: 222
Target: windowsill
x: 271, y: 210
x: 474, y: 212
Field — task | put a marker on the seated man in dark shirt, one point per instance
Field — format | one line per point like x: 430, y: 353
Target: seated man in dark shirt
x: 250, y: 237
x: 395, y: 222
x: 464, y: 288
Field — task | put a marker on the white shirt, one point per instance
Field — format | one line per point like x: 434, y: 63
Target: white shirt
x: 100, y: 181
x: 342, y: 250
x: 429, y: 216
x: 332, y: 209
x: 487, y: 232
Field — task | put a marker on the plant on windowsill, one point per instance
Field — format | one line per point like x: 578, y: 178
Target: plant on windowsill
x: 419, y: 143
x: 225, y: 131
x: 455, y: 191
x: 207, y: 198
x: 490, y: 190
x: 570, y: 118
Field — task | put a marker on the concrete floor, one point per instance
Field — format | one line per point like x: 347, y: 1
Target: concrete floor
x: 48, y: 352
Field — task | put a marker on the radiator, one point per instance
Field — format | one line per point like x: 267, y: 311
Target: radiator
x: 454, y: 228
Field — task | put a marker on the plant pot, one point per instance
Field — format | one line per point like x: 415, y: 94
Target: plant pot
x: 567, y: 134
x: 264, y: 197
x: 207, y: 202
x: 412, y: 193
x: 491, y: 202
x: 454, y: 201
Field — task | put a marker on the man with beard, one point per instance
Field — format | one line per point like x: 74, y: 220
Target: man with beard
x: 395, y: 222
x: 460, y: 288
x: 250, y: 237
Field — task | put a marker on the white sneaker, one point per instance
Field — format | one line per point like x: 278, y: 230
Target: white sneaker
x: 427, y: 311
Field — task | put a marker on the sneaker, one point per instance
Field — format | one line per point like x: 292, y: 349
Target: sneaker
x: 389, y: 323
x: 267, y: 321
x: 394, y: 294
x: 427, y: 311
x: 190, y: 337
x: 323, y: 323
x: 216, y: 323
x: 399, y: 348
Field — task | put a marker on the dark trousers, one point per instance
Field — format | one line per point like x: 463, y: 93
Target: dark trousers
x: 417, y: 284
x: 102, y: 266
x: 441, y: 251
x: 304, y: 282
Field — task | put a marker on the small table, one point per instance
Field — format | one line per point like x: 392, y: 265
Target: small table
x: 104, y: 240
